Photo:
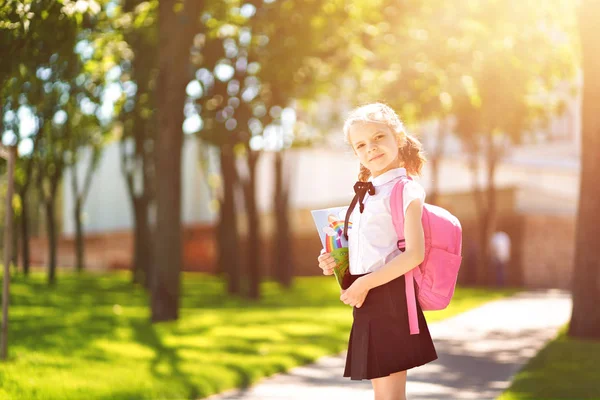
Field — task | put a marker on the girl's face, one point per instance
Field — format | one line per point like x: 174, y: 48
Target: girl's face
x: 376, y: 146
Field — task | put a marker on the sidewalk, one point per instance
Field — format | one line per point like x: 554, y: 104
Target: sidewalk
x: 479, y: 353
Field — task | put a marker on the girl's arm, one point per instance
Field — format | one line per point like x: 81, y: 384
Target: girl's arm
x: 411, y: 257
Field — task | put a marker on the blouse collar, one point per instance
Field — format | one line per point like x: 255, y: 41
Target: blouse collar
x: 388, y: 176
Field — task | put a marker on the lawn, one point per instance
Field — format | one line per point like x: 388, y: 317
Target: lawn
x: 89, y: 337
x: 564, y: 369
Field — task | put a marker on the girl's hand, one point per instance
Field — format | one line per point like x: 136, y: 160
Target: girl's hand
x: 326, y: 263
x: 356, y: 294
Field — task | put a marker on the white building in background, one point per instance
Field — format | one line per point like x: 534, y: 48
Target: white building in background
x: 547, y: 175
x: 108, y: 206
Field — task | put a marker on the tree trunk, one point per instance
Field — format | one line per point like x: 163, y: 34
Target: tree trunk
x: 283, y: 266
x: 585, y: 319
x: 51, y: 232
x: 485, y: 205
x: 491, y: 214
x: 480, y: 208
x: 24, y: 190
x: 488, y: 225
x: 176, y: 30
x: 80, y: 197
x: 221, y: 233
x: 436, y: 159
x: 50, y: 205
x: 253, y: 240
x: 24, y: 233
x: 142, y: 258
x: 141, y: 270
x: 15, y: 243
x: 229, y: 234
x: 79, y: 239
x: 11, y: 156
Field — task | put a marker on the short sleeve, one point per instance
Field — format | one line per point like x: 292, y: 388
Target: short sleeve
x: 412, y: 190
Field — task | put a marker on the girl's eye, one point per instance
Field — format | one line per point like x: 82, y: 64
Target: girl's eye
x: 359, y: 146
x: 378, y: 137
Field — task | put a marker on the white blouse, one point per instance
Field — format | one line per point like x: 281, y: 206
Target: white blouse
x: 372, y: 240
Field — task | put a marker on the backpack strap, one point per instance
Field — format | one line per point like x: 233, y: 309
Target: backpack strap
x: 397, y: 208
x: 361, y: 189
x: 348, y: 213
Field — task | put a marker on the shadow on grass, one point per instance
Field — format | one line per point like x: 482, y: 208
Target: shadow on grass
x: 74, y: 291
x: 59, y: 333
x: 145, y: 334
x: 251, y: 339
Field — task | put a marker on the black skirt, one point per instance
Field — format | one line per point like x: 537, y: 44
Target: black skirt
x: 380, y: 342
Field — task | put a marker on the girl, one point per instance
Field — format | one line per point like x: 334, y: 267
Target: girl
x: 381, y: 347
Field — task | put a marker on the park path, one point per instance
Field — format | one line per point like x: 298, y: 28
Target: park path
x: 479, y: 353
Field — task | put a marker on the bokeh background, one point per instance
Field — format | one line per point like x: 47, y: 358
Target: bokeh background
x: 161, y: 158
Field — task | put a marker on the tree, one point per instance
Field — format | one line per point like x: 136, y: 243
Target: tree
x: 216, y: 108
x: 85, y: 123
x: 42, y: 33
x: 515, y: 60
x: 296, y: 63
x: 24, y: 178
x: 272, y: 51
x: 54, y: 91
x: 23, y: 167
x: 10, y: 154
x: 585, y: 319
x: 86, y: 135
x: 137, y: 115
x: 178, y: 22
x: 488, y: 64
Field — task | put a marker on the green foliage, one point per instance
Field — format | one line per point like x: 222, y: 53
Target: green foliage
x: 28, y: 40
x: 564, y: 369
x: 276, y: 53
x: 90, y: 336
x: 493, y: 64
x: 516, y: 55
x: 44, y: 78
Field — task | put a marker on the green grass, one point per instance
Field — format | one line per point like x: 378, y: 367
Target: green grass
x: 89, y: 337
x: 564, y: 369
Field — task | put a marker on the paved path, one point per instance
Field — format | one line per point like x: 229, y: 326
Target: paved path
x: 479, y: 353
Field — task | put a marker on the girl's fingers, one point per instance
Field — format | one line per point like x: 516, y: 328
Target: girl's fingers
x: 353, y: 302
x: 326, y: 262
x: 326, y: 265
x: 325, y: 258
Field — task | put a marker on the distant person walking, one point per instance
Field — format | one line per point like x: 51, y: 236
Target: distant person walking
x: 381, y: 347
x: 500, y: 252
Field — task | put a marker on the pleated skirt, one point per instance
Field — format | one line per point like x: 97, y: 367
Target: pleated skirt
x: 380, y: 342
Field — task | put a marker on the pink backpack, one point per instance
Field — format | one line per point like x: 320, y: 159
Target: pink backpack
x: 436, y: 275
